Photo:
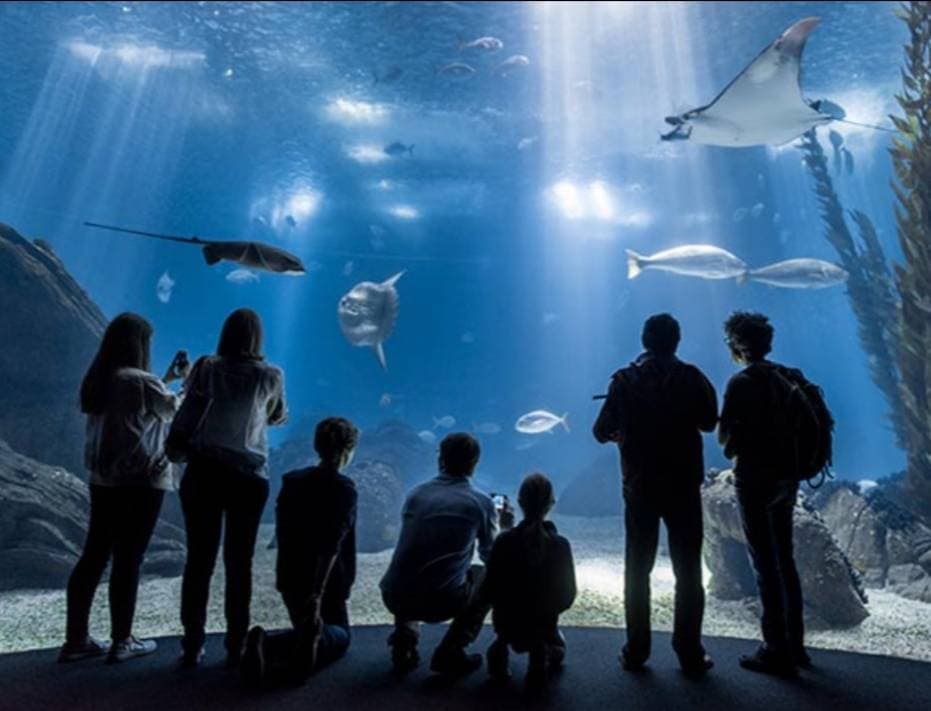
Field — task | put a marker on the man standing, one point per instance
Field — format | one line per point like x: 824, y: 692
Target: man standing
x: 755, y: 431
x: 655, y: 411
x: 431, y: 577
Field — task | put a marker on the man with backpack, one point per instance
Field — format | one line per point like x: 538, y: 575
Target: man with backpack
x: 656, y: 409
x: 777, y: 428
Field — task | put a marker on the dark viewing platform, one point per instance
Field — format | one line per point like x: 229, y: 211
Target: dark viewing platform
x: 592, y: 679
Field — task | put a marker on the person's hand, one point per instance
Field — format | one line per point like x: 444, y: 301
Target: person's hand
x: 506, y: 517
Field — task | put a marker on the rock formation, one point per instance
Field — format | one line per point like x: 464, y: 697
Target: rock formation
x: 832, y: 590
x: 43, y: 523
x: 595, y: 491
x: 885, y: 543
x: 51, y: 330
x: 378, y: 520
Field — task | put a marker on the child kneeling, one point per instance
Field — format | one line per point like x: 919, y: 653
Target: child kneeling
x: 530, y: 580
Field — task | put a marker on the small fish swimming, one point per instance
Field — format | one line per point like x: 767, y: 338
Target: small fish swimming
x: 488, y: 44
x: 163, y: 288
x: 446, y: 422
x: 756, y: 210
x: 525, y: 143
x: 699, y: 260
x: 348, y: 267
x: 384, y: 400
x: 836, y: 139
x: 242, y: 276
x: 256, y: 255
x: 511, y: 63
x: 398, y: 149
x: 456, y: 69
x: 739, y: 214
x: 540, y: 421
x: 389, y: 76
x: 368, y: 312
x: 487, y: 428
x: 525, y: 445
x: 290, y: 221
x: 427, y: 437
x: 798, y: 274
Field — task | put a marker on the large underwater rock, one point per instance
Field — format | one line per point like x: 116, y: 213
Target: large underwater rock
x: 43, y: 523
x: 832, y: 590
x: 381, y: 493
x: 51, y: 329
x: 595, y: 491
x: 887, y: 544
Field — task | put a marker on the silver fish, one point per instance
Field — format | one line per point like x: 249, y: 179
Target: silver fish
x: 456, y: 69
x: 540, y: 421
x: 488, y: 44
x: 398, y: 149
x: 446, y: 422
x: 367, y: 314
x: 699, y: 260
x: 511, y: 63
x: 427, y: 437
x: 798, y: 274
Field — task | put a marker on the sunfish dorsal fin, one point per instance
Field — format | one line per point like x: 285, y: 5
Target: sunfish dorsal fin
x: 391, y: 281
x: 380, y: 354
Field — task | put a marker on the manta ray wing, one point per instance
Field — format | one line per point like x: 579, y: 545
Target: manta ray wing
x: 763, y: 104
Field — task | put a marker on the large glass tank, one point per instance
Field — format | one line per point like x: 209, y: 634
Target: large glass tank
x: 505, y: 159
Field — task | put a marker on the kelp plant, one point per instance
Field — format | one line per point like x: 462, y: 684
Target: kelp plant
x: 911, y: 157
x: 870, y: 284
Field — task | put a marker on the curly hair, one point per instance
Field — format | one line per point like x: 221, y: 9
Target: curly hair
x: 749, y: 334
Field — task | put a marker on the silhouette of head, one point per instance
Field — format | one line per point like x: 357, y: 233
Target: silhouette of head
x: 661, y: 335
x: 536, y: 496
x: 459, y: 453
x: 335, y: 440
x: 241, y: 336
x: 125, y: 344
x: 749, y: 335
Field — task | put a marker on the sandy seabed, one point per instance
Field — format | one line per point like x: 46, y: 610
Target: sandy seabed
x: 896, y: 626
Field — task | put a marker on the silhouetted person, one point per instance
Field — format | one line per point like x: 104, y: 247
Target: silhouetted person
x: 766, y: 491
x: 656, y: 409
x: 225, y: 484
x: 316, y: 532
x: 128, y: 412
x: 530, y: 580
x: 431, y: 577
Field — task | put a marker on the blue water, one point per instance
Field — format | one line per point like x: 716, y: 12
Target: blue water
x: 223, y: 119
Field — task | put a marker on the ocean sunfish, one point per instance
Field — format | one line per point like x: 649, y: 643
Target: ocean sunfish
x: 699, y: 260
x: 798, y: 274
x: 256, y: 255
x: 368, y: 312
x: 762, y: 105
x: 540, y: 421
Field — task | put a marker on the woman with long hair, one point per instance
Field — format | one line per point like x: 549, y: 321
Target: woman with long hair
x: 226, y: 478
x: 128, y: 412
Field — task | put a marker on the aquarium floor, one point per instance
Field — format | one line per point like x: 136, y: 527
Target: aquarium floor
x: 591, y: 679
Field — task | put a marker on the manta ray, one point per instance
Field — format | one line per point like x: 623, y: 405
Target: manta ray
x: 763, y: 105
x: 256, y: 255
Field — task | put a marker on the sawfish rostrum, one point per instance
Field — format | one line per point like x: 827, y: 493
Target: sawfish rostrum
x: 762, y: 105
x: 368, y: 312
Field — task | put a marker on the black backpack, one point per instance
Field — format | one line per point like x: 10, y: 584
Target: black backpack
x: 804, y: 423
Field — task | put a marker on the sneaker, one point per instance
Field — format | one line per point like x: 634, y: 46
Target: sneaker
x: 404, y: 654
x: 496, y: 657
x: 697, y: 667
x: 191, y: 659
x: 89, y: 647
x: 252, y: 663
x: 129, y: 648
x: 802, y: 659
x: 765, y: 661
x: 631, y: 663
x: 453, y: 661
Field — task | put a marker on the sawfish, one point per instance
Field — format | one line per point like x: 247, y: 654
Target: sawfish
x: 763, y: 105
x: 256, y: 255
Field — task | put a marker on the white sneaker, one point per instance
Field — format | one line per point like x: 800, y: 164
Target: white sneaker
x: 129, y: 648
x: 90, y: 647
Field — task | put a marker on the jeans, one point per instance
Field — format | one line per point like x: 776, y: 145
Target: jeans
x: 682, y: 514
x: 766, y: 513
x: 468, y: 611
x: 122, y: 519
x: 209, y: 493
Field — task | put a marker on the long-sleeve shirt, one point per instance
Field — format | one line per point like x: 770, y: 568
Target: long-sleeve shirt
x: 656, y: 410
x: 443, y: 521
x: 315, y: 520
x: 125, y: 444
x: 246, y: 396
x: 528, y: 589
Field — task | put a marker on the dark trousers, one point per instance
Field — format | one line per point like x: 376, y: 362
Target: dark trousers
x: 767, y: 514
x: 209, y: 493
x: 681, y: 512
x: 467, y: 607
x: 287, y: 653
x: 122, y: 519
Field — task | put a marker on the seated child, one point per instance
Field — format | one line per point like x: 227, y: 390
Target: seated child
x: 530, y: 580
